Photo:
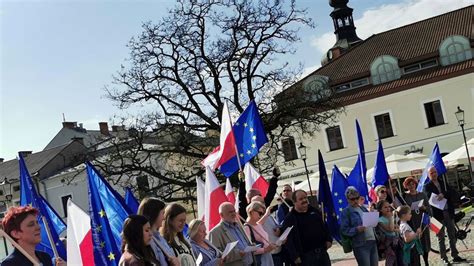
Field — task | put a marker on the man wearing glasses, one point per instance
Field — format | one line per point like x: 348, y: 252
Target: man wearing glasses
x: 309, y: 239
x: 283, y: 208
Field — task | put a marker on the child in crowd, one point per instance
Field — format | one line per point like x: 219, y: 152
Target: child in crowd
x: 390, y: 232
x: 412, y: 248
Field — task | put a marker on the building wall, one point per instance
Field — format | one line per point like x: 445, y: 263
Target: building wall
x: 408, y: 121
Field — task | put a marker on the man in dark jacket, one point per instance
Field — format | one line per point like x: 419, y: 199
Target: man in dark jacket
x: 309, y: 239
x: 246, y: 196
x: 446, y: 216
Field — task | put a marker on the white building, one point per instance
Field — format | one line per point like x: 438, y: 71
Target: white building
x: 403, y: 86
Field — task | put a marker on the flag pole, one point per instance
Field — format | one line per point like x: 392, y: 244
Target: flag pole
x: 50, y: 238
x: 17, y: 246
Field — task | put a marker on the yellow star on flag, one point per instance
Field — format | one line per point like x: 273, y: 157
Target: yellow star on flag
x: 99, y: 228
x: 251, y: 129
x: 111, y: 256
x: 102, y: 244
x: 245, y: 124
x: 102, y: 213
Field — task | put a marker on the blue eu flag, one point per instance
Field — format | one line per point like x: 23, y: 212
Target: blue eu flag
x: 249, y: 136
x: 108, y: 211
x: 325, y: 198
x: 339, y: 186
x: 381, y: 175
x: 29, y: 196
x: 435, y: 160
x: 357, y: 177
x: 131, y: 201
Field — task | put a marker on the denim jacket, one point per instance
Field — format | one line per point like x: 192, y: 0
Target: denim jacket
x: 350, y: 220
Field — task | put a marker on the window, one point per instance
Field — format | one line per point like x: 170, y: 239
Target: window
x: 354, y: 84
x: 289, y: 149
x: 383, y: 125
x: 64, y: 202
x: 420, y: 66
x: 384, y: 69
x: 454, y: 49
x: 434, y: 113
x: 334, y: 138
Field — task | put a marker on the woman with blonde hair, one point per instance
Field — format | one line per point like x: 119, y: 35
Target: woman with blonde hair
x: 200, y: 245
x: 257, y: 234
x: 172, y: 231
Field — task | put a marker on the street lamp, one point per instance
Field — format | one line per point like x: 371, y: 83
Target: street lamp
x: 302, y: 150
x: 460, y: 117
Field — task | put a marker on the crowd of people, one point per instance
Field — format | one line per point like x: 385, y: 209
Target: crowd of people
x: 155, y: 235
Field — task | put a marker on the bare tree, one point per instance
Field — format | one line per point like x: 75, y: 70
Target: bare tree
x: 201, y: 54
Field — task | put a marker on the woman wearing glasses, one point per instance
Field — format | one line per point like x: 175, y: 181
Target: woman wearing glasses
x: 421, y: 209
x: 257, y: 234
x: 364, y: 244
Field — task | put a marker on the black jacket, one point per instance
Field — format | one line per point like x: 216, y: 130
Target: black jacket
x: 430, y: 188
x: 309, y: 233
x: 272, y: 188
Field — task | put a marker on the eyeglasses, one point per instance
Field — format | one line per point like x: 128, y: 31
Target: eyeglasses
x: 287, y: 190
x: 383, y: 191
x: 354, y: 198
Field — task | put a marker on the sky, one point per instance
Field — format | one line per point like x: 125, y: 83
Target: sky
x: 56, y: 56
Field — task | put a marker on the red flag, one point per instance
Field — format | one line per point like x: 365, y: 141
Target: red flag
x: 215, y: 196
x: 435, y: 225
x: 229, y: 191
x: 79, y: 236
x: 254, y: 180
x: 226, y: 150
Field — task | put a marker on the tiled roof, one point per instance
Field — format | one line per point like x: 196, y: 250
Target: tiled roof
x: 406, y: 82
x: 410, y: 43
x: 34, y: 162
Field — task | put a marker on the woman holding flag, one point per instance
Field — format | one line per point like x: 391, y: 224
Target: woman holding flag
x: 420, y: 211
x: 21, y: 224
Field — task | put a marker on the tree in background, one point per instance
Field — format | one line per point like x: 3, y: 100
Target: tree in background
x: 185, y: 66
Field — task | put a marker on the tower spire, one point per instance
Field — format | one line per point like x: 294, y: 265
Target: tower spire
x: 344, y: 28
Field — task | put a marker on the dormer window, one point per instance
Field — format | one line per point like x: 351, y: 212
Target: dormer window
x: 384, y: 69
x: 454, y: 49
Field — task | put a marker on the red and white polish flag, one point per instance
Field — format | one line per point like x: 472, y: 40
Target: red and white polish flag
x: 80, y: 250
x: 215, y: 196
x: 253, y: 179
x: 226, y: 149
x: 229, y: 191
x: 435, y: 225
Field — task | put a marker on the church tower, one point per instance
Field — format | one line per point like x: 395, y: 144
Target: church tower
x: 346, y: 36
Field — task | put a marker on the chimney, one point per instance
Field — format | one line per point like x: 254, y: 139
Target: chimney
x: 70, y: 125
x: 104, y: 128
x: 118, y: 128
x: 25, y: 154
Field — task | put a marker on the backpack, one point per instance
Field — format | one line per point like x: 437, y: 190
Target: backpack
x: 346, y: 241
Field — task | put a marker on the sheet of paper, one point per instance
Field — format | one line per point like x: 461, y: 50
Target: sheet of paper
x: 437, y: 203
x: 249, y: 249
x: 416, y: 205
x: 199, y: 259
x: 229, y: 248
x: 370, y: 219
x: 283, y: 236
